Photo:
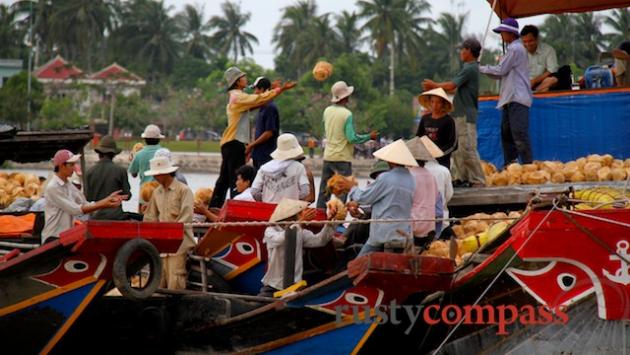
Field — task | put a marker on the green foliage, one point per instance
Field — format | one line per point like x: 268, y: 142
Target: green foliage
x: 392, y: 115
x: 14, y: 99
x: 188, y: 71
x: 133, y: 113
x: 60, y: 113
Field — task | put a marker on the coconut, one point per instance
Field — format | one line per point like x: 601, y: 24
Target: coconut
x: 514, y: 178
x: 500, y: 179
x: 538, y: 177
x: 515, y: 169
x: 529, y: 168
x: 336, y: 184
x: 336, y: 206
x: 322, y: 70
x: 557, y: 178
x: 581, y: 162
x: 203, y: 195
x: 604, y: 174
x: 438, y: 248
x: 569, y: 169
x: 459, y: 231
x: 489, y: 168
x: 617, y: 163
x: 578, y: 176
x: 32, y: 189
x: 18, y: 178
x: 595, y: 158
x: 607, y: 159
x: 146, y: 190
x: 590, y: 171
x: 618, y: 174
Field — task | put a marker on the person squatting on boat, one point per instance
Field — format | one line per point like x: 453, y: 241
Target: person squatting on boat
x: 391, y: 197
x: 172, y: 201
x: 64, y: 202
x: 237, y: 134
x: 275, y: 240
x: 284, y: 176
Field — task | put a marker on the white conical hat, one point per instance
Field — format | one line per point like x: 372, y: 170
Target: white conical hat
x: 425, y: 99
x: 435, y: 151
x: 396, y: 153
x: 287, y: 208
x: 418, y: 150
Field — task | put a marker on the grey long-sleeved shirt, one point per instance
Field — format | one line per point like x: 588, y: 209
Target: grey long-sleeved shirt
x: 513, y: 71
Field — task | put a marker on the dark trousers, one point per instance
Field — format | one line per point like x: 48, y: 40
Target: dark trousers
x: 515, y: 134
x: 260, y: 161
x: 232, y: 158
x: 329, y: 168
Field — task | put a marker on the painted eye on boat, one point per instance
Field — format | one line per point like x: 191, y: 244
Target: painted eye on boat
x: 355, y: 298
x: 244, y: 248
x: 75, y: 266
x: 566, y: 281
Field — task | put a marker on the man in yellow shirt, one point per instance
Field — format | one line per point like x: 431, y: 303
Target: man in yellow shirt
x: 237, y: 134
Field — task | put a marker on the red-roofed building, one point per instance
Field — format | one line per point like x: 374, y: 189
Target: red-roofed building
x: 117, y: 73
x: 57, y: 70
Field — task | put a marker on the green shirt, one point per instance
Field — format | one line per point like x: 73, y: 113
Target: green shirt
x: 467, y: 95
x: 340, y: 134
x: 140, y: 162
x: 102, y: 179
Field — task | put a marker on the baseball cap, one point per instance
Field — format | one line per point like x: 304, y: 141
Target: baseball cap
x: 65, y: 156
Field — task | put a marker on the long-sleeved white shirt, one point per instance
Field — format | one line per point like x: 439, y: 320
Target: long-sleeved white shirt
x: 274, y: 239
x: 63, y: 205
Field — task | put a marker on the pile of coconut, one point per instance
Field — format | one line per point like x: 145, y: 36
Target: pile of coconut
x: 16, y: 185
x: 594, y: 167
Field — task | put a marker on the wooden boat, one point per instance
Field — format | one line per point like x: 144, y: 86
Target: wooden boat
x: 44, y: 291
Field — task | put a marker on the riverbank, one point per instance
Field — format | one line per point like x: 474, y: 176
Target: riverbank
x: 197, y: 163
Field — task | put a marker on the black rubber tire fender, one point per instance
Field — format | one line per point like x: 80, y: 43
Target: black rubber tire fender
x: 121, y: 274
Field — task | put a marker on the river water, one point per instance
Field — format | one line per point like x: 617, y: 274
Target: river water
x: 195, y: 181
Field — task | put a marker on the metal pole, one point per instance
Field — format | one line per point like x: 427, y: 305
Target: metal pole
x: 112, y: 102
x: 30, y: 68
x: 290, y: 245
x: 485, y: 35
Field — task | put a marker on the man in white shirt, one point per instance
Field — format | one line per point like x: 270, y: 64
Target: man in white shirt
x: 64, y: 202
x: 244, y: 177
x: 284, y: 176
x: 543, y: 65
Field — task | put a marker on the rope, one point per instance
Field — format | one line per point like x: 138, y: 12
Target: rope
x: 597, y: 218
x: 326, y: 222
x: 483, y: 293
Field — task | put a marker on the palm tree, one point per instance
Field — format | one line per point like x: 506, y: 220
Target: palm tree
x: 36, y: 14
x: 10, y: 34
x: 147, y: 37
x: 290, y: 35
x: 393, y: 24
x: 229, y: 35
x: 619, y: 21
x: 197, y: 42
x: 79, y: 26
x: 590, y: 40
x: 559, y: 32
x: 450, y: 36
x: 348, y: 32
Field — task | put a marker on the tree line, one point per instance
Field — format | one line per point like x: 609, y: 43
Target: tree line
x: 384, y: 48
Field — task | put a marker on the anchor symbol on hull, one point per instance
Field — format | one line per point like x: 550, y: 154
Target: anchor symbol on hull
x: 622, y: 275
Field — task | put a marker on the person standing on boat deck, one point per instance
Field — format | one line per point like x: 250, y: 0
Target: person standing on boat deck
x: 622, y: 64
x: 236, y: 135
x: 427, y: 202
x: 391, y: 197
x: 106, y: 177
x: 515, y: 96
x: 64, y: 202
x: 438, y: 124
x: 442, y: 177
x: 340, y: 138
x: 466, y: 161
x: 284, y: 176
x: 275, y: 237
x: 152, y: 136
x: 267, y: 127
x: 172, y: 201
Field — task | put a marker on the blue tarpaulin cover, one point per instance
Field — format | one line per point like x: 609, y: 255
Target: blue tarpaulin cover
x: 564, y: 127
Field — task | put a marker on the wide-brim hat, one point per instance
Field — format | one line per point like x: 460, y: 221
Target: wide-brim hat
x: 507, y: 25
x: 433, y: 149
x: 287, y: 208
x: 232, y: 74
x: 418, y: 149
x: 152, y: 131
x: 160, y: 166
x: 107, y: 145
x: 425, y: 99
x: 396, y: 153
x: 340, y: 90
x: 378, y: 167
x: 288, y: 147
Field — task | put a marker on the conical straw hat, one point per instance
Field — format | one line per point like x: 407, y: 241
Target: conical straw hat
x: 287, y: 208
x: 396, y: 153
x: 418, y: 150
x: 425, y: 98
x: 435, y: 151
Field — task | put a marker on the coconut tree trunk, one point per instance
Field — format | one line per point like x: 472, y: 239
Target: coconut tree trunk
x: 391, y: 69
